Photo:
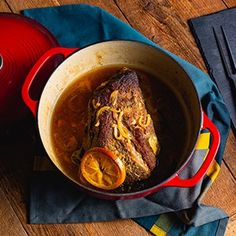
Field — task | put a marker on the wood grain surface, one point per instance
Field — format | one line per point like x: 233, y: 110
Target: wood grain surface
x: 4, y: 7
x: 230, y: 3
x: 8, y: 215
x: 164, y: 22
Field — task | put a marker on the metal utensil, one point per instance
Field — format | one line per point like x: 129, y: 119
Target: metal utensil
x: 229, y: 65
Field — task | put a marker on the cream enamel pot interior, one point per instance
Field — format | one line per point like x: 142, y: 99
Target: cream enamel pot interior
x: 130, y: 54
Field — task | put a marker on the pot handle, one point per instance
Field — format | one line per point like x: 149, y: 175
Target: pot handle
x: 215, y: 135
x: 25, y: 92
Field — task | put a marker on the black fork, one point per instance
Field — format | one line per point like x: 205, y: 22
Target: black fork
x: 229, y: 65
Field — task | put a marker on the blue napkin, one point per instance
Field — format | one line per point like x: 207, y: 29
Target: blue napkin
x: 202, y: 28
x: 171, y: 211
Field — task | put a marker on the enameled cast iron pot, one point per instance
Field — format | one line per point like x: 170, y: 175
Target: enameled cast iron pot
x: 133, y: 54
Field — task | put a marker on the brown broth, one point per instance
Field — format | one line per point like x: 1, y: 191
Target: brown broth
x: 70, y: 116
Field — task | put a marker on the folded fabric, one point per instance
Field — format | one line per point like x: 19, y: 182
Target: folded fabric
x: 202, y: 28
x: 55, y: 200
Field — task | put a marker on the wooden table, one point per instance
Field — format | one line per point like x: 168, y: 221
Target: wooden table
x: 164, y: 22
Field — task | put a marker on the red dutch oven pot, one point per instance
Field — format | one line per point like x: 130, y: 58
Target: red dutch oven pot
x: 22, y: 42
x: 129, y: 54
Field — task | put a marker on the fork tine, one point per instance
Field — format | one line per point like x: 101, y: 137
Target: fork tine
x: 222, y: 54
x: 231, y: 56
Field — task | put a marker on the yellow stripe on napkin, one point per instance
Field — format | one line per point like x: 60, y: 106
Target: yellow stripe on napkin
x: 213, y: 170
x: 203, y: 141
x: 163, y: 224
x: 158, y: 231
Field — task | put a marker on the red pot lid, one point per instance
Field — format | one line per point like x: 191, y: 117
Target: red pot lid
x: 22, y: 42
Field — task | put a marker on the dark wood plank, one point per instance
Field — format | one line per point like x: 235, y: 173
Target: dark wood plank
x: 231, y: 227
x: 165, y: 22
x: 222, y: 193
x: 230, y: 154
x: 17, y: 6
x: 10, y: 224
x: 57, y: 229
x: 230, y: 3
x: 4, y: 7
x: 118, y: 227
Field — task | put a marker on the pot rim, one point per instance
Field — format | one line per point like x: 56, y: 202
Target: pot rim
x: 147, y: 191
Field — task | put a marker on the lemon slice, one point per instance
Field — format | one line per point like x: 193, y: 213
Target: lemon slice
x: 102, y: 169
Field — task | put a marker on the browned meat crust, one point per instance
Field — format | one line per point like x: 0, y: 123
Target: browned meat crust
x: 118, y: 120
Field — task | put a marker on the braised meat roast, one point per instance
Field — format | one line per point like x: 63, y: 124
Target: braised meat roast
x: 118, y: 120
